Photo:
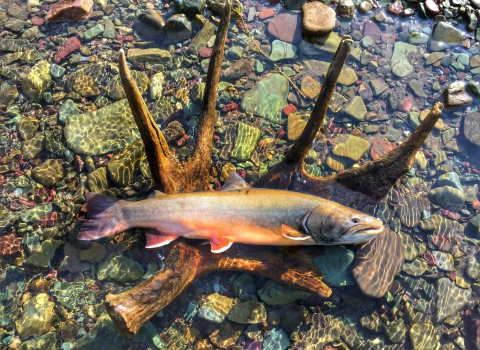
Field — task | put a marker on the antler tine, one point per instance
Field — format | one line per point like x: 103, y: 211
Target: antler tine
x: 301, y: 147
x: 157, y: 150
x: 209, y: 102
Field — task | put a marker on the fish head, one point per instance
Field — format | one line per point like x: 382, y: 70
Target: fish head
x: 330, y: 224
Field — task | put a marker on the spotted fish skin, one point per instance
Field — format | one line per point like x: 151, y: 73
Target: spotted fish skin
x: 249, y: 216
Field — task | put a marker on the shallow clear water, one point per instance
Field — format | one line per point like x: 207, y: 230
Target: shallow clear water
x: 67, y: 129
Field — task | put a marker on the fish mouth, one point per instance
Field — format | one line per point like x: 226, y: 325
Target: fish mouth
x: 359, y: 234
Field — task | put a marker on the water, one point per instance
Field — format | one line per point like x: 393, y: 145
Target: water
x: 65, y: 126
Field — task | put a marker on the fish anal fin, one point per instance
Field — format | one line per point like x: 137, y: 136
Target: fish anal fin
x: 291, y: 233
x: 234, y: 182
x: 157, y: 239
x: 220, y: 244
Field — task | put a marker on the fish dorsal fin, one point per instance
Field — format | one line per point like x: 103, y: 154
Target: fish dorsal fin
x: 291, y: 233
x: 234, y: 182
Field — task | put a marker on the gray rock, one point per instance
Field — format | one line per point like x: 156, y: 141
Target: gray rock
x: 417, y: 88
x: 355, y: 109
x: 450, y: 179
x: 194, y: 7
x: 445, y: 35
x: 94, y: 32
x: 449, y: 299
x: 178, y: 28
x: 448, y: 197
x: 120, y: 269
x: 66, y: 109
x: 109, y: 31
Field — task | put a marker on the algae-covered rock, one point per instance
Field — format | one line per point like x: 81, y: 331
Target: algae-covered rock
x: 98, y: 180
x: 123, y: 165
x: 115, y: 89
x: 37, y: 316
x: 42, y: 256
x: 215, y: 307
x: 43, y: 342
x: 33, y: 215
x: 274, y: 293
x: 423, y: 336
x: 448, y: 197
x: 247, y: 137
x: 108, y: 129
x: 336, y: 265
x: 27, y: 127
x: 12, y: 287
x: 120, y: 269
x: 267, y: 98
x: 449, y: 299
x: 67, y: 294
x: 48, y: 173
x: 349, y: 146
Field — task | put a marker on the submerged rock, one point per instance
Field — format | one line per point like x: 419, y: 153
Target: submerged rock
x: 274, y: 293
x: 215, y: 307
x: 37, y: 80
x: 449, y: 299
x: 248, y: 312
x: 37, y: 316
x: 247, y: 137
x: 120, y: 269
x: 336, y: 264
x: 318, y: 19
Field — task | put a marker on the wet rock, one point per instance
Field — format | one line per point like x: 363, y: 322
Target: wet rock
x: 8, y: 95
x: 444, y: 261
x: 119, y: 269
x: 70, y: 10
x: 282, y: 51
x: 96, y: 253
x: 247, y: 137
x: 474, y: 224
x: 318, y: 19
x: 152, y: 56
x: 45, y: 341
x: 395, y: 331
x: 48, y: 173
x: 94, y: 32
x: 105, y: 130
x: 402, y: 69
x: 14, y: 45
x: 33, y: 215
x: 274, y: 293
x: 115, y: 89
x: 423, y: 336
x: 37, y: 81
x: 472, y: 267
x: 267, y: 98
x: 296, y: 124
x: 109, y: 31
x: 215, y: 307
x: 235, y: 52
x: 194, y: 7
x: 445, y: 35
x: 156, y: 85
x: 10, y: 245
x: 352, y: 147
x: 237, y: 69
x: 379, y: 148
x: 355, y: 109
x: 200, y: 40
x: 248, y: 312
x: 319, y: 334
x: 442, y: 226
x: 456, y: 96
x: 346, y: 9
x: 417, y: 88
x: 27, y: 127
x: 449, y: 299
x: 310, y: 87
x: 123, y: 165
x: 372, y: 323
x: 226, y: 335
x: 12, y: 283
x: 415, y: 268
x: 293, y: 4
x: 68, y: 47
x: 86, y: 86
x: 149, y: 23
x: 37, y: 316
x: 42, y: 256
x: 178, y: 28
x: 98, y: 181
x: 448, y: 197
x: 471, y: 128
x: 286, y: 26
x: 336, y: 265
x: 277, y: 339
x: 434, y: 57
x: 450, y: 179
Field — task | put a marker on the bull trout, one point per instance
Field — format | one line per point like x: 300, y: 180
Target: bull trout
x: 236, y: 214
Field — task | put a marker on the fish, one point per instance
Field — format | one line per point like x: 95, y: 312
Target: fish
x: 237, y: 213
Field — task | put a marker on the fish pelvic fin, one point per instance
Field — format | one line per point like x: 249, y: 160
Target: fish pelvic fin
x: 156, y: 239
x: 234, y: 182
x: 220, y: 244
x: 291, y: 233
x: 104, y: 217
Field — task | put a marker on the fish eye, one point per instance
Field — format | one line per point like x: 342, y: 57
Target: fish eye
x: 355, y: 220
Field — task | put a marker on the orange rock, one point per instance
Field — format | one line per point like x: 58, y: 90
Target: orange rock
x: 266, y: 13
x: 70, y: 10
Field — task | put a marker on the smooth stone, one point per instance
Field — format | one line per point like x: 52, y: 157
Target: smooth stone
x: 48, y: 173
x: 119, y: 269
x: 178, y: 28
x: 417, y: 88
x: 448, y: 197
x: 286, y: 26
x: 455, y: 95
x: 235, y: 52
x: 66, y: 109
x: 248, y: 312
x: 247, y: 137
x: 336, y: 265
x: 471, y: 128
x: 402, y: 69
x: 423, y: 336
x: 443, y: 261
x: 366, y: 41
x: 37, y: 317
x: 123, y: 165
x: 152, y: 56
x: 98, y: 181
x: 450, y: 179
x: 267, y: 98
x: 434, y: 57
x: 346, y: 8
x: 445, y: 35
x: 355, y: 109
x: 282, y: 51
x: 203, y: 36
x: 42, y: 256
x: 274, y: 293
x: 277, y: 340
x: 57, y: 71
x: 474, y: 224
x: 349, y: 146
x: 156, y: 85
x: 449, y: 299
x: 94, y: 32
x: 236, y: 70
x: 37, y: 80
x: 418, y: 38
x: 402, y: 52
x: 295, y: 126
x: 310, y: 87
x: 215, y: 307
x: 318, y: 19
x: 326, y: 44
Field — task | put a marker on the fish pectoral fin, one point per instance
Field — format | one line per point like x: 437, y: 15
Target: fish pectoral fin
x: 291, y: 233
x: 157, y: 239
x: 234, y: 182
x: 220, y: 244
x: 157, y: 193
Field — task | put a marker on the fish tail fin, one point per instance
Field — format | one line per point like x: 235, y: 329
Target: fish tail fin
x: 104, y: 215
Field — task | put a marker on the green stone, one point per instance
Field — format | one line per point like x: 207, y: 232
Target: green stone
x: 449, y: 299
x: 37, y: 317
x: 474, y: 224
x: 246, y: 140
x: 402, y: 69
x: 282, y: 50
x: 417, y: 88
x: 93, y: 32
x: 98, y: 181
x: 45, y: 341
x: 48, y: 173
x: 108, y: 129
x: 336, y: 265
x: 122, y: 167
x: 274, y: 293
x: 267, y: 98
x: 178, y: 28
x: 120, y: 269
x: 349, y: 146
x: 109, y: 31
x: 37, y: 80
x: 259, y: 67
x: 215, y: 307
x: 448, y: 197
x: 366, y: 41
x: 152, y: 56
x: 450, y: 179
x: 57, y: 71
x: 463, y: 59
x: 423, y: 336
x: 328, y: 43
x: 115, y: 89
x: 235, y: 52
x: 355, y: 109
x: 395, y: 331
x: 33, y: 215
x: 42, y: 256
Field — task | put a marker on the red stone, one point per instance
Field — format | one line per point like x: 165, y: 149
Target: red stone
x: 286, y: 26
x: 430, y: 258
x: 432, y: 7
x: 395, y: 8
x: 406, y: 105
x: 10, y: 245
x: 37, y: 21
x: 230, y: 107
x: 70, y: 10
x: 442, y: 79
x: 266, y: 13
x: 49, y: 220
x: 476, y: 204
x: 379, y: 148
x: 205, y: 52
x: 371, y: 29
x: 71, y: 45
x: 289, y: 109
x: 129, y: 38
x: 441, y: 243
x: 273, y: 2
